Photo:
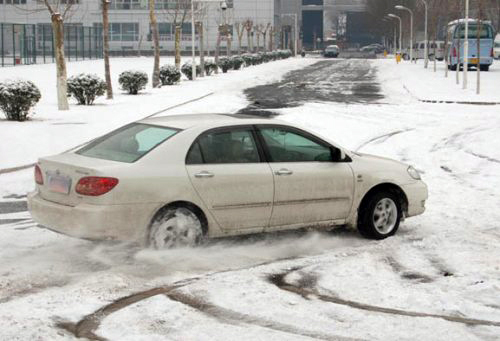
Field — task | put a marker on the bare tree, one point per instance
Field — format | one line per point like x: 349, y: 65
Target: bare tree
x: 105, y: 38
x: 264, y: 30
x: 177, y: 16
x: 248, y: 27
x: 58, y: 13
x: 240, y: 29
x: 156, y: 43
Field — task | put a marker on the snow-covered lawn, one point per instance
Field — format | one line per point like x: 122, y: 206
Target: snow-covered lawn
x: 441, y: 269
x: 425, y: 84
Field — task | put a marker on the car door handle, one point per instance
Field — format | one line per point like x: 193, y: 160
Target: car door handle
x: 204, y: 174
x: 283, y: 171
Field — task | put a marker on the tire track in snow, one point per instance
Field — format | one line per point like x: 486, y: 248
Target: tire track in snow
x: 306, y: 292
x: 383, y: 137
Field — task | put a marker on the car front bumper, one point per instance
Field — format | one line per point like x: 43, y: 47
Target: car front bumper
x: 417, y: 195
x: 96, y: 222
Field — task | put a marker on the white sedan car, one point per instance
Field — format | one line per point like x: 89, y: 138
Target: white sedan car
x: 175, y: 180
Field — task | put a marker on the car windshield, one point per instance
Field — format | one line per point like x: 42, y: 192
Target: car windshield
x: 497, y: 44
x: 127, y: 144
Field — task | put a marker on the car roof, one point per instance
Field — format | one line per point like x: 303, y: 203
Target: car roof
x: 208, y: 121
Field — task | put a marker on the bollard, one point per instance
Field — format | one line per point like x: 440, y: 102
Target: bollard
x: 398, y: 58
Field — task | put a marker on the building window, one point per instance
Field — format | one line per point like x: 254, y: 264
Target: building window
x: 13, y: 2
x: 127, y: 4
x: 122, y: 31
x: 312, y: 2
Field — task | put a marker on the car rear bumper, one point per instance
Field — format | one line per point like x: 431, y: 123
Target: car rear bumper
x: 417, y: 195
x: 97, y: 222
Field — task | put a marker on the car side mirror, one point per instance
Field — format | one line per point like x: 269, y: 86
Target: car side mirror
x: 338, y: 155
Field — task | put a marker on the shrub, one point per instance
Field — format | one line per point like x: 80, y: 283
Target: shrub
x: 210, y: 67
x: 237, y: 62
x: 257, y: 59
x: 275, y: 55
x: 133, y: 81
x: 247, y: 57
x: 225, y: 64
x: 187, y: 70
x: 17, y: 98
x: 169, y: 75
x: 284, y: 54
x: 85, y: 88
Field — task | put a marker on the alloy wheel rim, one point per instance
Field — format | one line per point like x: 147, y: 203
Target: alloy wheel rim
x: 385, y: 216
x: 180, y: 229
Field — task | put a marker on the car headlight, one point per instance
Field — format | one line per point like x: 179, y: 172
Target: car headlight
x: 414, y: 173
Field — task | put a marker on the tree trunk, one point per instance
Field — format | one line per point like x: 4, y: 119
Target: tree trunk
x: 62, y: 88
x: 478, y: 68
x: 202, y: 49
x: 178, y: 46
x: 217, y: 50
x: 105, y: 35
x: 264, y: 41
x: 156, y: 44
x: 249, y: 46
x: 258, y: 41
x: 228, y: 41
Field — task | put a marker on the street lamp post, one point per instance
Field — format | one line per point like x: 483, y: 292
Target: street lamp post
x: 403, y: 8
x: 426, y: 48
x: 400, y: 28
x: 193, y: 49
x: 466, y: 46
x: 295, y: 45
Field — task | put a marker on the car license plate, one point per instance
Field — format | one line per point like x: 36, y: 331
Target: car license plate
x: 58, y: 183
x: 473, y: 60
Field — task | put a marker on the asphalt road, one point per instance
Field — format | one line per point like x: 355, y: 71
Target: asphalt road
x: 336, y: 80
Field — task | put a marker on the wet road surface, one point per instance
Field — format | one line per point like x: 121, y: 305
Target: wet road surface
x: 342, y: 81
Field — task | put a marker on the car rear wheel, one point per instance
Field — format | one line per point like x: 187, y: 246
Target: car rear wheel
x: 380, y: 217
x: 484, y: 67
x: 175, y: 227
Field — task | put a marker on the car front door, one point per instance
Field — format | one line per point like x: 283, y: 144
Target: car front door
x: 228, y: 171
x: 310, y: 187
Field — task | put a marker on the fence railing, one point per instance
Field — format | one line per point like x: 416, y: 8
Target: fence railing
x: 24, y: 44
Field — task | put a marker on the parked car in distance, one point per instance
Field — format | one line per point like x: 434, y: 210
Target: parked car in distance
x: 175, y: 180
x: 331, y: 51
x: 375, y: 48
x: 482, y: 57
x: 435, y: 49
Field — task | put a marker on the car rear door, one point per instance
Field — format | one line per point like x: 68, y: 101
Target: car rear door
x: 227, y: 169
x: 309, y: 186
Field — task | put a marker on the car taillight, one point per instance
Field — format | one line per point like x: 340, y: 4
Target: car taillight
x: 95, y: 185
x: 491, y: 54
x: 38, y: 175
x: 454, y: 52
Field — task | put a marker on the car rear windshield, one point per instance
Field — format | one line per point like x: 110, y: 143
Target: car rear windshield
x: 486, y: 31
x: 129, y: 143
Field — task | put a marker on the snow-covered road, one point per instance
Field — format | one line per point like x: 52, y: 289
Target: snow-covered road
x: 437, y: 279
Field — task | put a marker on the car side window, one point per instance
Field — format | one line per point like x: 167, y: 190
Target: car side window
x: 233, y: 146
x: 290, y: 146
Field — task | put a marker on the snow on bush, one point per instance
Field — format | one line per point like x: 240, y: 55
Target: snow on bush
x: 225, y: 64
x: 284, y: 54
x: 17, y: 98
x: 210, y: 67
x: 257, y: 59
x: 237, y: 62
x: 169, y: 75
x: 187, y: 70
x: 85, y: 88
x: 247, y: 58
x: 133, y: 81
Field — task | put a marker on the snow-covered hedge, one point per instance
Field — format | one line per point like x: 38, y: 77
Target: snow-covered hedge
x: 237, y: 62
x: 187, y: 70
x: 257, y: 59
x: 133, y: 81
x: 210, y: 67
x: 169, y: 75
x: 248, y: 59
x: 85, y: 88
x: 17, y: 98
x: 284, y: 54
x: 225, y: 64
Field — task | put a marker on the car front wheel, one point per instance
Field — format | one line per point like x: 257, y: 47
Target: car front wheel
x: 175, y: 227
x: 380, y: 217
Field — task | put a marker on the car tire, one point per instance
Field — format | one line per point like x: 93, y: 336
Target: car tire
x: 453, y: 67
x: 484, y: 67
x: 380, y: 216
x: 174, y: 227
